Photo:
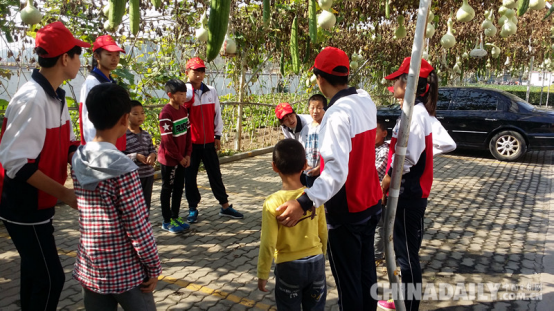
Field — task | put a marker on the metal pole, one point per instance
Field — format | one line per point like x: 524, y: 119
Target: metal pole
x: 542, y: 86
x: 400, y: 154
x: 238, y: 137
x: 549, y: 86
x: 529, y: 79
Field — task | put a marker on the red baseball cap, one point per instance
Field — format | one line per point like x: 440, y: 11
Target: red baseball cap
x: 282, y: 110
x: 195, y: 63
x: 107, y: 43
x: 391, y: 89
x: 56, y: 39
x: 329, y: 59
x: 405, y: 68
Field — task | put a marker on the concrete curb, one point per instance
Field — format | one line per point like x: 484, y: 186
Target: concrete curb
x: 547, y: 274
x: 235, y: 157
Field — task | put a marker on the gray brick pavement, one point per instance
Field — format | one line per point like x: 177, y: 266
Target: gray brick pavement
x: 485, y: 223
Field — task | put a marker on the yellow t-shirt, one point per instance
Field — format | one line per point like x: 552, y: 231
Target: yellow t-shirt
x: 307, y: 238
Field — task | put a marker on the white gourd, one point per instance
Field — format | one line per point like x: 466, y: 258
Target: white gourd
x: 478, y: 51
x: 430, y: 31
x: 326, y: 20
x: 465, y: 13
x: 511, y: 4
x: 465, y: 55
x: 202, y: 34
x: 508, y: 29
x: 536, y: 4
x: 325, y: 4
x: 229, y: 45
x: 507, y: 63
x: 502, y: 10
x: 401, y: 30
x: 30, y: 15
x: 448, y: 40
x: 354, y: 65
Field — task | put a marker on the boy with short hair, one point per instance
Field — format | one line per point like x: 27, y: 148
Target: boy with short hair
x: 291, y: 122
x: 140, y: 149
x: 174, y: 154
x: 37, y: 143
x: 381, y: 157
x: 206, y: 126
x: 117, y: 259
x: 309, y: 137
x: 298, y: 251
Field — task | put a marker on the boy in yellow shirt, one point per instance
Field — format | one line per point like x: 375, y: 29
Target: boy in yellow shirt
x: 298, y: 251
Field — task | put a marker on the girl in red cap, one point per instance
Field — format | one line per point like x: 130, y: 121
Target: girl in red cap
x: 291, y: 122
x: 104, y: 60
x: 417, y: 176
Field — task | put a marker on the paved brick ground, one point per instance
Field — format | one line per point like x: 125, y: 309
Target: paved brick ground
x: 486, y: 222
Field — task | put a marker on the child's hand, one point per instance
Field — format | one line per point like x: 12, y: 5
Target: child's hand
x: 262, y: 284
x: 314, y: 172
x: 141, y: 158
x: 151, y: 159
x: 69, y: 198
x: 187, y: 161
x: 149, y: 286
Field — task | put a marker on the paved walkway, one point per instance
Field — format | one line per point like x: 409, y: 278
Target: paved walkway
x: 486, y: 222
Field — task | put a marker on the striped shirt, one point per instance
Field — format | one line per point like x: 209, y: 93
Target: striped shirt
x: 117, y: 249
x: 140, y: 143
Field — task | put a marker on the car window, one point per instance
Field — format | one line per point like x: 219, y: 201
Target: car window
x: 445, y: 96
x: 474, y: 100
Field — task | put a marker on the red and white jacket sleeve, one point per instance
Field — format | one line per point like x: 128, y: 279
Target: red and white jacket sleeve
x: 416, y: 142
x: 23, y: 136
x: 442, y: 142
x: 336, y: 143
x: 88, y: 130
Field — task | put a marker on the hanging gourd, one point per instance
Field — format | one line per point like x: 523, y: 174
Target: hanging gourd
x: 448, y: 40
x: 426, y: 53
x: 487, y: 25
x: 326, y: 20
x: 229, y: 46
x: 325, y: 4
x: 488, y: 65
x: 507, y: 63
x: 312, y: 21
x: 401, y: 30
x: 430, y: 31
x: 536, y: 4
x: 457, y: 65
x: 478, y: 51
x: 217, y: 27
x: 30, y: 15
x: 495, y: 51
x: 294, y: 54
x: 509, y: 27
x: 465, y: 12
x: 202, y: 32
x: 510, y: 4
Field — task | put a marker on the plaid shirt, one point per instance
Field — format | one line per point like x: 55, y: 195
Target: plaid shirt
x: 381, y: 157
x: 117, y: 250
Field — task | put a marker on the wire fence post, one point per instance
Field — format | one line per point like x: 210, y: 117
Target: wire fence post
x: 529, y: 79
x: 401, y: 146
x: 241, y: 101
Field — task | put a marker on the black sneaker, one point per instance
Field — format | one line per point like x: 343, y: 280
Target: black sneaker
x: 230, y: 212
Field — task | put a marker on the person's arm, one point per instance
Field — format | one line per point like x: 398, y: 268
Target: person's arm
x: 416, y: 145
x: 322, y: 228
x: 152, y: 154
x: 134, y: 218
x: 442, y: 142
x: 270, y: 229
x: 73, y: 142
x: 22, y: 142
x: 218, y: 121
x: 335, y: 149
x: 89, y: 132
x: 166, y: 131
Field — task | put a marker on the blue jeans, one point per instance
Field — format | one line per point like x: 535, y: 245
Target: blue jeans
x: 301, y: 283
x: 408, y: 235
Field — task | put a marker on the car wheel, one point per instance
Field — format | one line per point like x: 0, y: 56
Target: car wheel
x: 508, y: 146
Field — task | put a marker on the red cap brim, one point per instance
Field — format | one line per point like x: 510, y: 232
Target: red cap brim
x: 394, y: 75
x: 113, y: 48
x: 391, y: 89
x: 82, y: 44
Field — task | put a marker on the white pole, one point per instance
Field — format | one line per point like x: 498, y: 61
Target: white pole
x: 529, y: 79
x: 401, y: 145
x: 549, y: 85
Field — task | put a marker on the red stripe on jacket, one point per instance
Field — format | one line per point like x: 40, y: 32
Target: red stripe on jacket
x: 121, y: 143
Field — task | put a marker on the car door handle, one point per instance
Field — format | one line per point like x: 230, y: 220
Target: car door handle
x: 487, y: 119
x: 386, y: 120
x: 440, y: 118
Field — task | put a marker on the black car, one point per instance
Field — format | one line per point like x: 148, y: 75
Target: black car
x: 481, y: 118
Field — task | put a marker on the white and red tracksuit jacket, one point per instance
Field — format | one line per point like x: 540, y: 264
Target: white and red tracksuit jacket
x: 86, y: 127
x: 348, y: 185
x: 36, y: 135
x: 417, y: 176
x: 206, y: 123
